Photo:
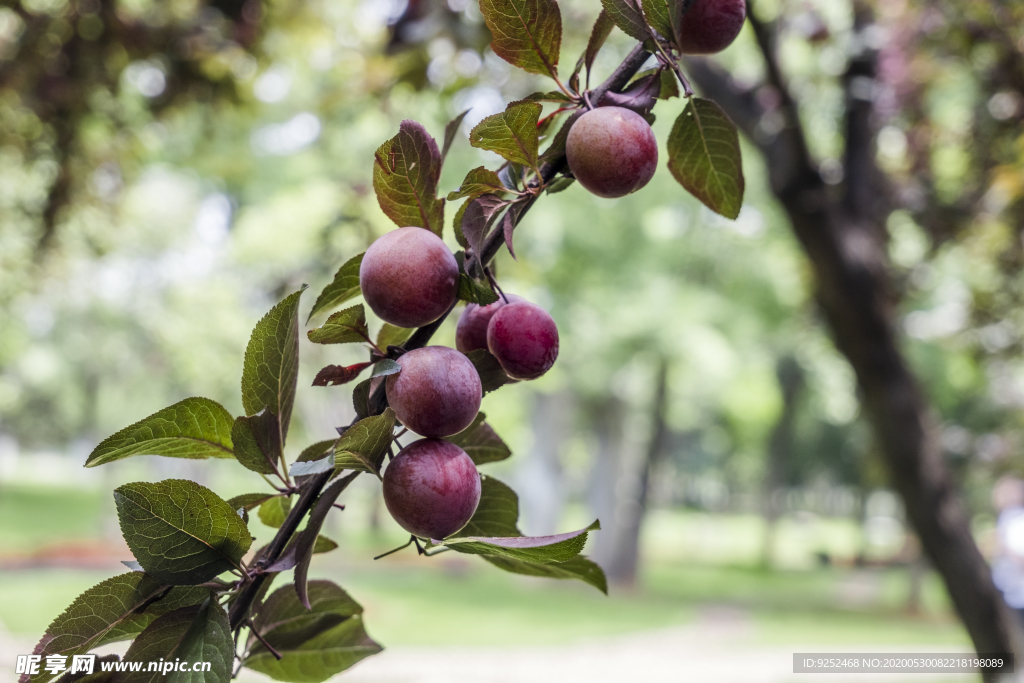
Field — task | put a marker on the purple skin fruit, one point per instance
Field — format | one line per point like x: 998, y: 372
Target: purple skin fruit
x: 524, y: 339
x: 409, y: 277
x: 471, y: 332
x: 432, y: 488
x: 612, y: 151
x: 710, y: 26
x: 437, y: 393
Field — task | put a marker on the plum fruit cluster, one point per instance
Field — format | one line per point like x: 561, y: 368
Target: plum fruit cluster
x: 410, y: 278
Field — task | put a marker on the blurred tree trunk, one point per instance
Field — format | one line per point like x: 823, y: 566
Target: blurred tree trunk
x: 791, y: 382
x: 632, y: 504
x: 609, y: 419
x: 541, y: 480
x: 843, y: 234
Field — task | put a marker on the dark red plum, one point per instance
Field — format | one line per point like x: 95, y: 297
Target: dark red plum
x: 471, y: 332
x: 437, y: 393
x: 432, y: 488
x: 524, y: 339
x: 612, y: 151
x: 409, y: 277
x: 710, y: 26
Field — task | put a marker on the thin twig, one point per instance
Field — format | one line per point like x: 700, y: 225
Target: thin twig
x: 270, y: 648
x: 401, y: 547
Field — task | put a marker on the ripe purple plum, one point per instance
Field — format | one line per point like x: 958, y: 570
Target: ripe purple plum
x: 409, y: 277
x: 432, y: 488
x: 710, y: 26
x: 524, y: 339
x: 437, y: 393
x: 471, y: 332
x: 612, y: 151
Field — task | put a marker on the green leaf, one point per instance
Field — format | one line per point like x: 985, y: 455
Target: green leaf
x: 474, y: 292
x: 526, y: 33
x: 344, y: 327
x: 542, y: 549
x: 457, y: 225
x: 193, y: 428
x: 316, y: 451
x: 363, y: 445
x: 658, y: 17
x: 273, y: 511
x: 450, y: 131
x: 271, y: 368
x: 497, y: 514
x: 316, y: 643
x: 669, y: 85
x: 361, y: 398
x: 258, y: 442
x: 478, y: 181
x: 578, y: 567
x: 345, y: 286
x: 405, y: 173
x: 598, y: 35
x: 385, y: 367
x: 191, y: 634
x: 249, y: 500
x: 552, y: 96
x: 512, y: 134
x: 180, y: 532
x: 305, y: 469
x: 481, y: 442
x: 335, y: 375
x: 323, y: 545
x: 626, y: 15
x: 704, y: 156
x: 560, y: 184
x: 115, y: 609
x: 492, y: 375
x: 392, y: 335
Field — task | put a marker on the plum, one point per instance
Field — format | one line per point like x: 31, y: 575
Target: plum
x: 471, y: 332
x: 432, y: 488
x: 612, y: 151
x: 437, y: 393
x: 711, y: 26
x: 524, y: 339
x: 409, y: 277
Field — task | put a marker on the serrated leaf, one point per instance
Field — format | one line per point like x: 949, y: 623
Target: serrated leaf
x: 113, y: 610
x: 474, y: 292
x: 669, y: 85
x: 658, y: 17
x: 492, y: 375
x: 193, y: 428
x: 704, y: 157
x: 541, y: 549
x: 323, y: 545
x: 526, y: 33
x: 361, y: 398
x: 497, y: 514
x: 316, y: 451
x: 191, y: 634
x: 336, y: 375
x: 481, y: 442
x: 180, y: 532
x: 271, y: 368
x: 478, y: 181
x: 363, y: 445
x: 392, y: 335
x: 450, y: 131
x: 557, y: 147
x: 258, y: 442
x: 406, y: 170
x: 344, y: 327
x: 512, y: 133
x: 598, y: 35
x: 626, y: 15
x: 273, y: 511
x: 551, y: 96
x: 316, y: 643
x: 578, y: 567
x: 385, y: 367
x: 477, y: 219
x: 304, y: 469
x: 249, y: 500
x: 345, y: 286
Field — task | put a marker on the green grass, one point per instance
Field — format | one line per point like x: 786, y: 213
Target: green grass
x: 33, y: 516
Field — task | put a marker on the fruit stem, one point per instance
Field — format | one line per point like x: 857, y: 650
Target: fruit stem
x: 270, y: 648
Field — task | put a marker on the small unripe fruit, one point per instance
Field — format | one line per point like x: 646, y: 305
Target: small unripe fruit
x: 471, y: 332
x: 711, y: 26
x: 524, y: 339
x: 409, y: 277
x: 612, y: 151
x: 432, y: 488
x: 437, y: 393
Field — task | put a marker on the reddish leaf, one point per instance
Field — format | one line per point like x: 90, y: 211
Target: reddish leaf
x: 334, y: 375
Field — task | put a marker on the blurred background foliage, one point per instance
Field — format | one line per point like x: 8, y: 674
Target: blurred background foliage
x: 169, y: 169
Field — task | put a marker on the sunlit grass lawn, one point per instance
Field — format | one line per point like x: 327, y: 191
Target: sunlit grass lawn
x: 460, y: 600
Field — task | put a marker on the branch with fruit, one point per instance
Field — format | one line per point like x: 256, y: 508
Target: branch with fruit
x: 191, y: 594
